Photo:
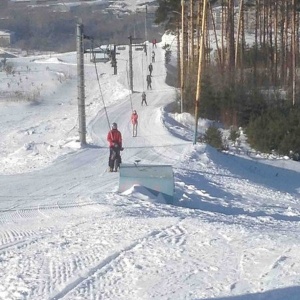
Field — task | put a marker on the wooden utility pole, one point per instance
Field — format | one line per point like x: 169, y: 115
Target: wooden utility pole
x: 200, y: 65
x: 182, y: 73
x: 80, y: 85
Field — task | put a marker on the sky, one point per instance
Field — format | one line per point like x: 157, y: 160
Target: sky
x: 67, y: 232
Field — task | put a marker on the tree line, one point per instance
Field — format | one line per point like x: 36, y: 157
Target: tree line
x: 254, y: 85
x: 47, y: 30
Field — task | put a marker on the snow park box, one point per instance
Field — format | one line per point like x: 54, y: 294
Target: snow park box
x: 158, y: 179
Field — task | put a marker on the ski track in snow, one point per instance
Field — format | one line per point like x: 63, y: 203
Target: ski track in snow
x: 62, y: 272
x: 104, y: 263
x: 108, y: 272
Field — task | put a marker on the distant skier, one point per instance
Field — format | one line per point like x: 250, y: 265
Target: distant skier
x: 149, y: 81
x: 150, y: 68
x: 154, y: 43
x: 144, y: 99
x: 114, y: 138
x: 134, y: 121
x: 153, y: 56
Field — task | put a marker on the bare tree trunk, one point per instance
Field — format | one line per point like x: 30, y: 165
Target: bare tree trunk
x: 216, y: 37
x: 286, y: 42
x: 282, y: 44
x: 243, y: 42
x: 224, y: 14
x: 238, y: 44
x: 178, y: 56
x: 198, y: 28
x: 192, y: 50
x: 257, y: 22
x: 230, y: 37
x: 275, y: 58
x: 293, y: 37
x: 271, y: 26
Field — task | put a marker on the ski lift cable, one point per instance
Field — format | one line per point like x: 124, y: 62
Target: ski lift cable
x: 99, y: 85
x: 128, y: 81
x: 143, y: 73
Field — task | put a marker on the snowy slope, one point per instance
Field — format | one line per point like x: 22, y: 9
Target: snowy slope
x: 66, y: 232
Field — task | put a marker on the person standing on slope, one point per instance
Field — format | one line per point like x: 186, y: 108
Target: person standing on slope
x: 134, y: 121
x: 154, y: 43
x: 114, y: 138
x: 153, y: 56
x: 150, y: 67
x: 149, y: 81
x: 144, y: 99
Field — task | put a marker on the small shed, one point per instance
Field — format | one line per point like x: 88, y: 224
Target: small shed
x: 6, y: 38
x: 158, y: 179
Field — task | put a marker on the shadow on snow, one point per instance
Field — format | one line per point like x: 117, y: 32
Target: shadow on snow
x: 289, y: 293
x: 206, y: 195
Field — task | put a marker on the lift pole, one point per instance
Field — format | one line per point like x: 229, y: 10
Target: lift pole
x: 146, y: 34
x: 130, y: 64
x: 80, y: 85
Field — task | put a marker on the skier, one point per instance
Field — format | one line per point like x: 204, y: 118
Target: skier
x: 150, y: 67
x: 134, y: 121
x: 149, y: 80
x: 153, y: 56
x: 154, y: 43
x: 144, y: 98
x: 114, y: 138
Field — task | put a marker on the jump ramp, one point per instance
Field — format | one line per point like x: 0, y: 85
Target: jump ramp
x: 158, y: 179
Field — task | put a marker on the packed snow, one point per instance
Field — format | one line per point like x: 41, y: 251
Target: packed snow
x: 66, y: 232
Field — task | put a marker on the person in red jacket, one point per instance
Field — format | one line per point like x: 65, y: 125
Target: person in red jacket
x: 114, y: 138
x: 134, y: 121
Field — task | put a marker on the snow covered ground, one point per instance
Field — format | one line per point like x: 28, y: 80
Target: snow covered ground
x: 67, y: 233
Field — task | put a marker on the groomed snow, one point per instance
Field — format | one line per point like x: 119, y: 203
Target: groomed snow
x: 67, y: 233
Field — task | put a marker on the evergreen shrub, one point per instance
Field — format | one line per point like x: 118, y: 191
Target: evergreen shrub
x: 277, y: 129
x: 213, y: 136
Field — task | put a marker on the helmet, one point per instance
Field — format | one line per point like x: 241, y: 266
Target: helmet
x: 114, y: 126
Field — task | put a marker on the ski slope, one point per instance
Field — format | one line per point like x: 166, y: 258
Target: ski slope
x: 66, y: 232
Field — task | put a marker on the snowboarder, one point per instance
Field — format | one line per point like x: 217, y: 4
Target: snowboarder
x: 144, y: 99
x: 149, y: 80
x: 114, y: 138
x: 134, y: 121
x: 150, y: 67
